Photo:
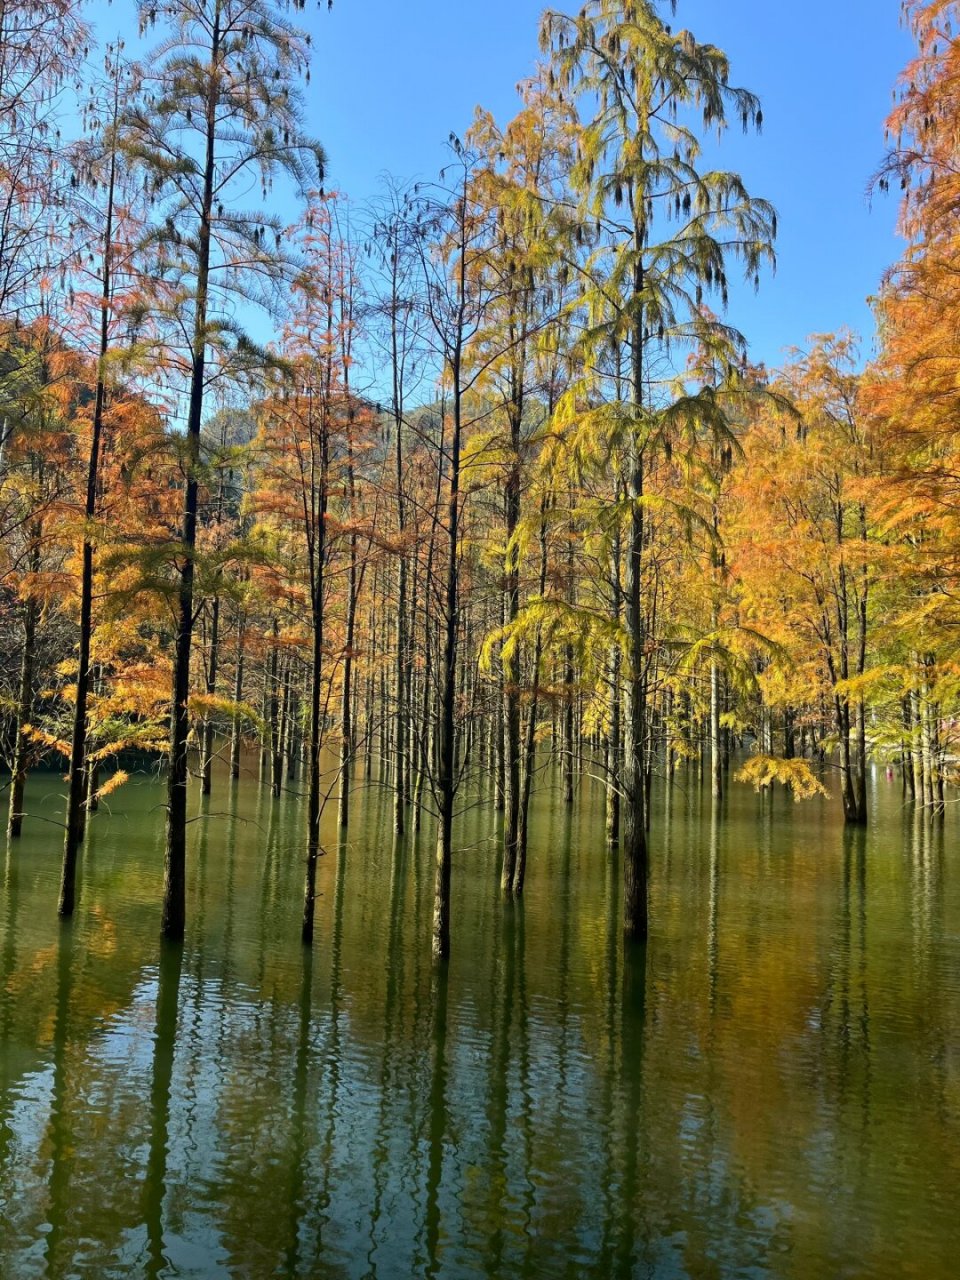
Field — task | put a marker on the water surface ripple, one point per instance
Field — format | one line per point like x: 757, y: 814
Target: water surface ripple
x: 770, y: 1089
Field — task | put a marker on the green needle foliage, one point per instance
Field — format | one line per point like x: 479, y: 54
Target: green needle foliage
x: 663, y: 231
x: 220, y: 107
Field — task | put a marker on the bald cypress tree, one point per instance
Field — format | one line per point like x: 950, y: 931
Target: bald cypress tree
x: 662, y: 229
x: 220, y: 110
x: 102, y: 216
x: 42, y: 47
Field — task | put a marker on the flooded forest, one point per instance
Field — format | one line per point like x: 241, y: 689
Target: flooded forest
x: 480, y: 747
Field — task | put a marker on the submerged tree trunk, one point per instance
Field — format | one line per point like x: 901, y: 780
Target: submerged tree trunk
x: 447, y: 746
x: 346, y: 706
x: 716, y: 754
x: 860, y: 745
x: 614, y: 732
x: 567, y: 752
x: 313, y: 795
x: 424, y: 741
x: 206, y: 749
x: 511, y: 663
x: 18, y: 773
x: 175, y: 855
x: 275, y: 760
x: 401, y: 698
x: 635, y: 856
x: 316, y: 555
x: 852, y: 786
x: 92, y: 775
x: 530, y: 744
x: 236, y: 736
x: 76, y: 814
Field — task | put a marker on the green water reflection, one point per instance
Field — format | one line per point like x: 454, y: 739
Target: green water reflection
x: 771, y: 1088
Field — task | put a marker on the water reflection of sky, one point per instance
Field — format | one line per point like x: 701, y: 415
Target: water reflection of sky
x: 772, y: 1090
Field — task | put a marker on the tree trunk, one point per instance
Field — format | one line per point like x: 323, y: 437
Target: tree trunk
x: 346, y: 708
x: 282, y: 744
x: 635, y: 855
x: 274, y: 758
x: 92, y: 776
x: 567, y: 751
x: 425, y: 745
x: 511, y: 664
x: 716, y: 757
x: 530, y: 745
x: 446, y: 752
x: 317, y: 556
x: 236, y: 738
x: 206, y: 751
x: 75, y: 794
x: 614, y: 734
x: 861, y: 762
x: 18, y: 773
x: 175, y: 855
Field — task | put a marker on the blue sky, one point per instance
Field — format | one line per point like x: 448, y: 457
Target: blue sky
x: 391, y: 79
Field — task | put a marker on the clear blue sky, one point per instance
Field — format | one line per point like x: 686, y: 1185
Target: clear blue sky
x: 392, y: 78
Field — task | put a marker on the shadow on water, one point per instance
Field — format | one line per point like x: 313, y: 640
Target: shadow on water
x: 332, y: 1056
x: 713, y: 928
x: 169, y: 972
x: 437, y: 1125
x: 60, y: 1140
x: 396, y: 979
x: 502, y: 995
x: 632, y: 1243
x: 8, y: 964
x: 296, y: 1192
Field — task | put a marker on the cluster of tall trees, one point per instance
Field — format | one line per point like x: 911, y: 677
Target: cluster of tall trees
x: 499, y: 486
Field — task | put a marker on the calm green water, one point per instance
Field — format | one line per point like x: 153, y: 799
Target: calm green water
x: 773, y: 1089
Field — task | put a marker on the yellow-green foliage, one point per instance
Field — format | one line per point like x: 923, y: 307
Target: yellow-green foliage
x: 797, y: 775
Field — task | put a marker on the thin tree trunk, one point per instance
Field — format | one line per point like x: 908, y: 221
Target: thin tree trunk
x: 530, y: 744
x: 18, y: 774
x: 425, y: 761
x: 347, y: 745
x: 294, y: 745
x: 511, y: 663
x: 236, y: 738
x: 567, y: 750
x: 92, y: 775
x: 175, y: 855
x: 447, y: 743
x: 716, y: 757
x: 206, y: 759
x: 635, y: 855
x: 273, y: 722
x: 75, y: 793
x: 316, y: 556
x: 861, y: 762
x: 614, y: 736
x: 283, y: 730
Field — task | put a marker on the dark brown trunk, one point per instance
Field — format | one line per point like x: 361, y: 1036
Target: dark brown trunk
x: 173, y: 921
x: 447, y: 746
x: 511, y: 664
x: 18, y: 773
x: 76, y: 814
x: 317, y: 545
x: 206, y: 750
x: 530, y: 744
x: 236, y: 738
x: 635, y: 855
